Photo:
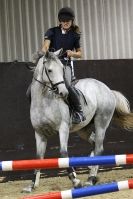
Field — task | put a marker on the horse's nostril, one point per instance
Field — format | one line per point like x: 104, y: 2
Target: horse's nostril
x: 61, y: 94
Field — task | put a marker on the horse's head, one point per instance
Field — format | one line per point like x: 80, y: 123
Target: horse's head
x: 50, y: 72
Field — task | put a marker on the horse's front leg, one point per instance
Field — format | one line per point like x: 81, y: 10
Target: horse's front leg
x: 41, y: 143
x: 64, y: 135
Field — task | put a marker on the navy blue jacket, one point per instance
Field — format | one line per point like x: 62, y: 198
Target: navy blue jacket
x: 67, y: 41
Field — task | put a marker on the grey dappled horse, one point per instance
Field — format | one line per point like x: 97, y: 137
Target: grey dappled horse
x: 50, y: 113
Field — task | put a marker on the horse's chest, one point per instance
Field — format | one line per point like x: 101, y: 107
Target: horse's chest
x: 45, y: 120
x: 47, y: 130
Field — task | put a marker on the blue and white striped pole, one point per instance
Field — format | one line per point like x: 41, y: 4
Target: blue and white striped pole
x: 86, y: 191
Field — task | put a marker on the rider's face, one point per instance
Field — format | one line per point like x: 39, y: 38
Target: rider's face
x: 66, y: 24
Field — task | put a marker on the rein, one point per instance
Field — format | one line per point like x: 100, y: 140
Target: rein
x: 54, y: 86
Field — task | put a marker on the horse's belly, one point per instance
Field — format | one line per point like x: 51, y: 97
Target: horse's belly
x: 89, y: 113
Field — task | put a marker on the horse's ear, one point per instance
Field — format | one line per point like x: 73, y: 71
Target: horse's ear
x: 58, y: 52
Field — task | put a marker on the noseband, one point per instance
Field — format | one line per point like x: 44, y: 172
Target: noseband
x: 53, y: 87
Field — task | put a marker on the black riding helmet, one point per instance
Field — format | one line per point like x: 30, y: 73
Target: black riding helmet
x: 66, y: 13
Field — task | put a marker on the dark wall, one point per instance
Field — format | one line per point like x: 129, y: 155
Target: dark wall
x: 15, y: 126
x: 16, y: 133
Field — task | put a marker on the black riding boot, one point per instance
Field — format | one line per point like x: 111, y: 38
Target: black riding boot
x: 28, y: 93
x: 78, y: 115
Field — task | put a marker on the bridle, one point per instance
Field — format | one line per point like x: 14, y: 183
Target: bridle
x: 52, y: 87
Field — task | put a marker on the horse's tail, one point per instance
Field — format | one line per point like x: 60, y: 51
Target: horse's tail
x: 123, y: 116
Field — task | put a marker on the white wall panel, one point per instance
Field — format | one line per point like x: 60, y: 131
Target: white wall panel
x: 106, y: 26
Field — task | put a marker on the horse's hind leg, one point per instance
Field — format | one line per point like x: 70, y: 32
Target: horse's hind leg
x: 73, y: 177
x: 41, y: 143
x: 101, y: 123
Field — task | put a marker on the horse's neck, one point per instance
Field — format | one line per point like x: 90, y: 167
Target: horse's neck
x: 39, y: 69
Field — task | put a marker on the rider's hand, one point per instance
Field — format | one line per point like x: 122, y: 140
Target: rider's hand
x: 69, y: 53
x: 36, y: 56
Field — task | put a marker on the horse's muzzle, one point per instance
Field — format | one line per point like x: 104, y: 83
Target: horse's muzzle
x: 62, y: 91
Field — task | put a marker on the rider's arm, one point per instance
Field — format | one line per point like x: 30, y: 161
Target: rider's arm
x: 75, y: 54
x: 47, y: 39
x: 45, y: 46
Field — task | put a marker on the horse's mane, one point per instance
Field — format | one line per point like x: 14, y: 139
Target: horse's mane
x: 49, y: 56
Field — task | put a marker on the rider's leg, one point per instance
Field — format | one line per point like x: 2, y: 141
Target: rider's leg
x: 78, y: 113
x: 72, y: 68
x: 73, y: 96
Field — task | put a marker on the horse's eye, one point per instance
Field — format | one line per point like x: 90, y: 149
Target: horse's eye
x: 49, y: 70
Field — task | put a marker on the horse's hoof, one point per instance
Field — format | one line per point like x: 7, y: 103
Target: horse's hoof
x: 27, y: 189
x: 88, y: 183
x: 92, y: 180
x: 77, y: 184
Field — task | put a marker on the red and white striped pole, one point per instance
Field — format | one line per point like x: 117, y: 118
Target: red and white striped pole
x: 65, y: 162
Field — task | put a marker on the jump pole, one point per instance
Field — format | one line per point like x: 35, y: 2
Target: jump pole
x: 86, y: 191
x: 65, y: 162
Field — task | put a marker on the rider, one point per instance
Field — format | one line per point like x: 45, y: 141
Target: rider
x: 67, y: 37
